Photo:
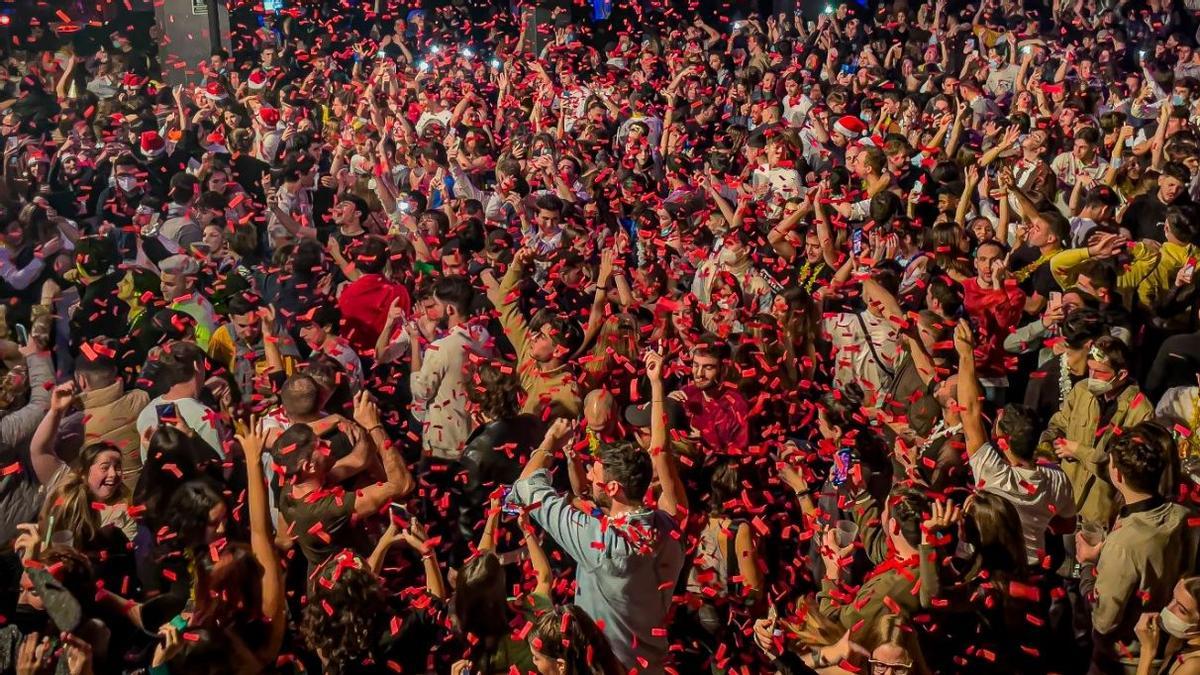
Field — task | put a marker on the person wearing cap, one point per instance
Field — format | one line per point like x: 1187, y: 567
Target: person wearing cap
x: 180, y: 290
x: 268, y: 137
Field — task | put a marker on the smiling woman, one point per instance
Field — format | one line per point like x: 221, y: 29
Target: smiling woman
x: 85, y: 497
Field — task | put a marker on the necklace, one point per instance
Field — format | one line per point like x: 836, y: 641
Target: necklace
x: 810, y: 274
x: 1064, y: 378
x: 1022, y: 274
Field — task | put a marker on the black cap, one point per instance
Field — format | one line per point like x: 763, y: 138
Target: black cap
x: 639, y: 415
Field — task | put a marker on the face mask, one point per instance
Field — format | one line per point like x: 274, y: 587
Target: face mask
x: 1175, y: 626
x: 865, y: 116
x: 116, y: 44
x: 1176, y: 99
x: 28, y: 619
x: 994, y: 64
x: 127, y: 183
x: 1099, y: 387
x: 728, y: 257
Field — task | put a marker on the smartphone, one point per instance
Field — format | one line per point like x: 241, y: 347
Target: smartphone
x: 166, y: 412
x: 510, y: 510
x: 1190, y: 267
x: 22, y: 334
x: 1055, y: 298
x: 970, y: 44
x: 400, y: 514
x: 843, y: 460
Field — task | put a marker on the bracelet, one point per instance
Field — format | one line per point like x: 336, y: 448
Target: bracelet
x: 804, y: 493
x: 372, y: 429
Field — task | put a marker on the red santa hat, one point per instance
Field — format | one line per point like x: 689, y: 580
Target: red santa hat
x: 850, y: 126
x: 257, y: 80
x: 151, y: 143
x: 214, y: 91
x: 268, y: 116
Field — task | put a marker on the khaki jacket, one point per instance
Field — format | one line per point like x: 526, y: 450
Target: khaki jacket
x: 1078, y: 420
x: 109, y: 415
x: 556, y: 389
x: 1143, y: 556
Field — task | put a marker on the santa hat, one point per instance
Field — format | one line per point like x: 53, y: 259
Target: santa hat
x: 850, y: 126
x: 257, y: 80
x: 872, y: 141
x: 134, y: 80
x: 214, y: 91
x: 151, y: 143
x: 268, y: 116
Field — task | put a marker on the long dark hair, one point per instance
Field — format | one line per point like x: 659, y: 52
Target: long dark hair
x: 480, y: 605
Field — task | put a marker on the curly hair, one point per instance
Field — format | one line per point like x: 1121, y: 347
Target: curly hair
x: 345, y: 609
x: 568, y: 633
x: 495, y: 388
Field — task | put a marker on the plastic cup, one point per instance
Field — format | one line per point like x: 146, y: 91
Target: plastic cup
x: 1093, y: 533
x: 63, y: 538
x: 846, y: 532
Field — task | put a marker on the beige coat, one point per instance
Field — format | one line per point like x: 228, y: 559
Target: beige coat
x: 110, y: 416
x: 1078, y: 420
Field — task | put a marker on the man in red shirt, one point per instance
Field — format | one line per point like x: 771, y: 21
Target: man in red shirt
x: 993, y: 303
x: 364, y: 302
x: 716, y: 410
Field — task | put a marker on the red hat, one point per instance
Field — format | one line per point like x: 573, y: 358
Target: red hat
x: 214, y: 91
x: 134, y: 80
x: 151, y: 142
x: 850, y: 126
x: 268, y: 116
x: 257, y: 80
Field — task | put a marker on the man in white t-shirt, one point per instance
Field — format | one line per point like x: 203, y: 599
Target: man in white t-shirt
x: 1040, y: 491
x: 182, y: 369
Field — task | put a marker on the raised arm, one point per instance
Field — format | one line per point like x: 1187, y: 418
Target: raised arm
x: 41, y: 449
x: 673, y: 498
x: 262, y: 542
x: 399, y: 481
x: 969, y: 392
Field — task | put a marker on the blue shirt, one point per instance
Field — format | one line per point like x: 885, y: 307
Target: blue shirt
x: 626, y: 572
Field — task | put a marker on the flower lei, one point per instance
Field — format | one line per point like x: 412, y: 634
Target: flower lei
x: 1064, y: 378
x: 1022, y: 274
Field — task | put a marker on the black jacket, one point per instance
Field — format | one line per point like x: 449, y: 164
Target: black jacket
x: 493, y: 456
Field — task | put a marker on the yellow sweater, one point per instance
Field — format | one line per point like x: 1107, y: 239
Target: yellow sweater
x: 1149, y: 276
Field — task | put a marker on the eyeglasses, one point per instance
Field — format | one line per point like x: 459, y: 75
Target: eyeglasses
x: 884, y: 668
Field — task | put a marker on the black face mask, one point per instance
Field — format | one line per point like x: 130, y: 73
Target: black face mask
x: 28, y: 620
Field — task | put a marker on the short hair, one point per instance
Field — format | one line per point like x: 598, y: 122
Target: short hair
x: 713, y: 347
x: 1178, y: 171
x: 371, y: 256
x: 948, y: 293
x: 1089, y: 135
x: 180, y: 362
x: 98, y: 365
x: 565, y: 330
x: 360, y: 205
x: 1019, y: 426
x: 628, y: 465
x: 1184, y: 220
x: 213, y: 201
x: 1115, y: 353
x: 294, y: 447
x: 1058, y: 225
x: 300, y: 395
x: 1081, y: 326
x: 908, y: 507
x: 243, y: 303
x: 327, y: 316
x: 549, y: 202
x: 1140, y: 461
x: 456, y: 291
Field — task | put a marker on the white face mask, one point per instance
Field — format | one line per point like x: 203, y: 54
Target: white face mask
x: 127, y: 183
x: 728, y: 257
x: 1099, y: 387
x: 1175, y: 626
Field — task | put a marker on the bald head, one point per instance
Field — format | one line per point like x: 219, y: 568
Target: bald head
x: 598, y: 408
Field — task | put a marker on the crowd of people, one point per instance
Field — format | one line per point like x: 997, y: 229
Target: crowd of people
x: 471, y: 339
